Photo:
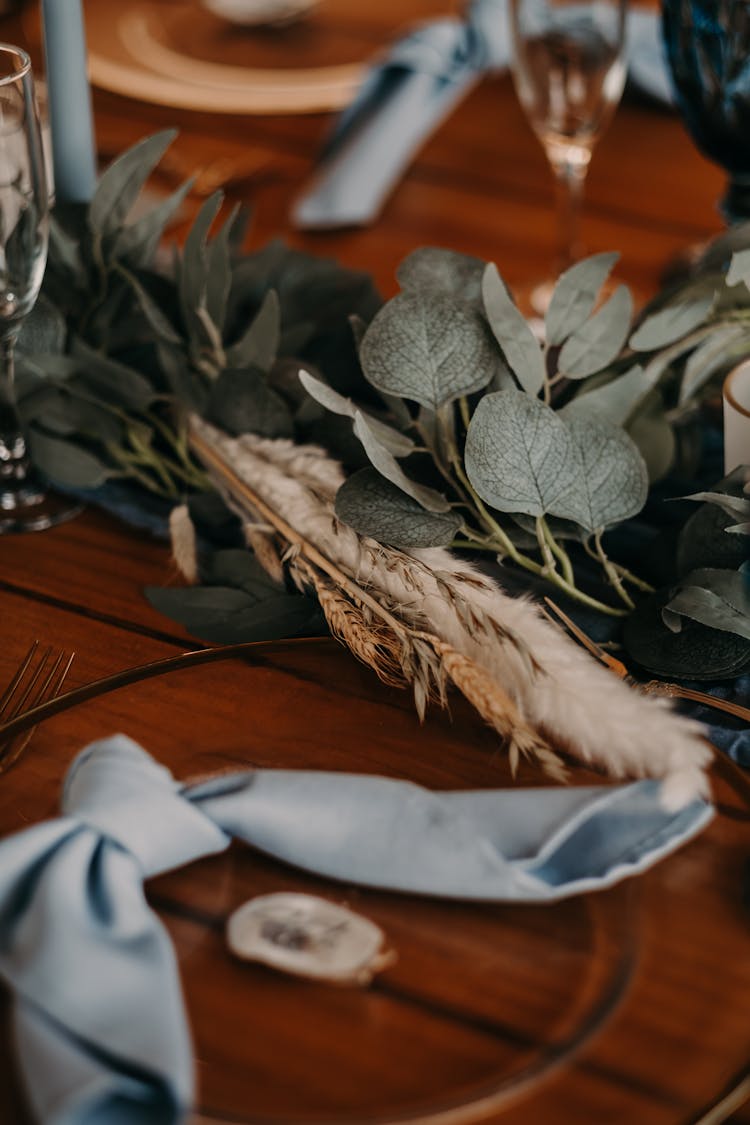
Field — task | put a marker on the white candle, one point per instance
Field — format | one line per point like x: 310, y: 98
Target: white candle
x: 737, y: 417
x: 69, y: 99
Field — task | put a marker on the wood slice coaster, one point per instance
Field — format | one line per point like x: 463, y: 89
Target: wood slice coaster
x: 177, y: 53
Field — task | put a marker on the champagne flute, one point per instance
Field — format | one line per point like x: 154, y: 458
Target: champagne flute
x: 568, y: 66
x: 24, y: 221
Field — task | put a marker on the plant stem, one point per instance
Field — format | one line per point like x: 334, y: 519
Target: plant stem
x: 506, y: 547
x: 550, y: 566
x: 633, y: 579
x: 559, y: 552
x: 611, y: 572
x: 131, y: 468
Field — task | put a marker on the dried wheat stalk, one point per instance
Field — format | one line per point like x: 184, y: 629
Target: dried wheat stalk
x: 556, y: 690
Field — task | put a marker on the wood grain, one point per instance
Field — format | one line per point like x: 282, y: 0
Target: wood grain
x: 622, y: 1007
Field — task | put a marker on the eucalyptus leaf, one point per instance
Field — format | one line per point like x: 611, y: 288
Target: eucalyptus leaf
x: 521, y: 457
x: 396, y: 443
x: 193, y: 274
x: 703, y: 541
x: 216, y: 521
x: 671, y: 323
x: 153, y: 313
x: 259, y: 344
x: 575, y: 295
x: 503, y: 379
x: 435, y: 270
x: 219, y: 278
x: 65, y: 414
x: 398, y: 410
x: 376, y: 508
x: 613, y: 482
x: 739, y: 268
x: 65, y: 252
x: 600, y: 339
x: 736, y: 506
x: 240, y: 402
x: 662, y: 360
x: 66, y: 463
x: 120, y: 184
x: 43, y: 330
x: 519, y: 344
x: 697, y: 652
x: 711, y: 356
x: 358, y: 327
x: 238, y: 568
x: 615, y: 400
x: 189, y: 391
x: 716, y: 598
x: 654, y: 437
x: 137, y: 242
x: 225, y: 615
x: 58, y: 367
x: 719, y: 251
x: 111, y: 378
x: 561, y: 529
x: 388, y: 466
x: 428, y: 348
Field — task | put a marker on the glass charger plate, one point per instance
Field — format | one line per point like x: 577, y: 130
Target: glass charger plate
x: 483, y: 1000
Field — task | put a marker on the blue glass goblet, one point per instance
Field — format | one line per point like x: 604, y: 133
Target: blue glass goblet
x: 708, y: 48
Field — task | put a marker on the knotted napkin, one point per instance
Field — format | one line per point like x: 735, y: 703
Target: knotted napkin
x: 411, y: 91
x: 99, y: 1020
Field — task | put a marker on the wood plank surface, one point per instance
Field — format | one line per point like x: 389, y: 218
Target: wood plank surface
x: 628, y: 1006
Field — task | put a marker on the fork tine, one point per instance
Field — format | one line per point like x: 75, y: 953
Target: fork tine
x: 45, y: 683
x: 13, y: 685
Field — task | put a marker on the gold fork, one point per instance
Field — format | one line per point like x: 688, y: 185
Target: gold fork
x: 39, y: 677
x: 652, y: 687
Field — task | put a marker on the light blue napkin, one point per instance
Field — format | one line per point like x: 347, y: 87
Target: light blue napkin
x: 100, y: 1026
x: 407, y: 95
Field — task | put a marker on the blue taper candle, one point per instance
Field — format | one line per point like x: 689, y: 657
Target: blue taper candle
x: 69, y: 97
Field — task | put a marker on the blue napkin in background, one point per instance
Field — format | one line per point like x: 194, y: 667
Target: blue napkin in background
x: 413, y: 89
x: 99, y: 1020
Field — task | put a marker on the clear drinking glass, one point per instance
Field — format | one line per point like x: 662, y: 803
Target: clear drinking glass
x: 24, y: 220
x: 568, y: 65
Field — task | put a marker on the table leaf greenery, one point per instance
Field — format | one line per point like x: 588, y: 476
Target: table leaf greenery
x: 455, y: 427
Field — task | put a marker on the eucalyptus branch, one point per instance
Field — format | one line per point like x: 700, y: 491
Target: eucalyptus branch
x: 559, y: 552
x: 611, y: 571
x: 132, y: 467
x: 190, y: 472
x: 542, y: 538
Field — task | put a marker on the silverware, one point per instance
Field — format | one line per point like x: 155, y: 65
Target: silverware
x: 652, y: 687
x: 39, y: 677
x: 733, y: 774
x: 39, y: 711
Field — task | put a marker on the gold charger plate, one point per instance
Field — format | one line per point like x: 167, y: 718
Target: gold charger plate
x: 177, y: 53
x: 484, y: 1000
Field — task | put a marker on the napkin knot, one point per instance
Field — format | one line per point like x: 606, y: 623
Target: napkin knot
x: 118, y: 790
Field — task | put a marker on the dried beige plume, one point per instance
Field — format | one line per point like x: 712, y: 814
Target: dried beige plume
x: 184, y: 543
x: 556, y: 689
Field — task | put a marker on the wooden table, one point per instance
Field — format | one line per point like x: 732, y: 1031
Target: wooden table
x: 622, y: 1007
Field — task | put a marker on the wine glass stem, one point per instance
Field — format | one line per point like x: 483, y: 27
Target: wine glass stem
x: 570, y: 177
x: 14, y: 460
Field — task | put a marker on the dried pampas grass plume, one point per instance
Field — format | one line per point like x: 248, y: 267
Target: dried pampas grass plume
x: 184, y: 543
x: 509, y: 652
